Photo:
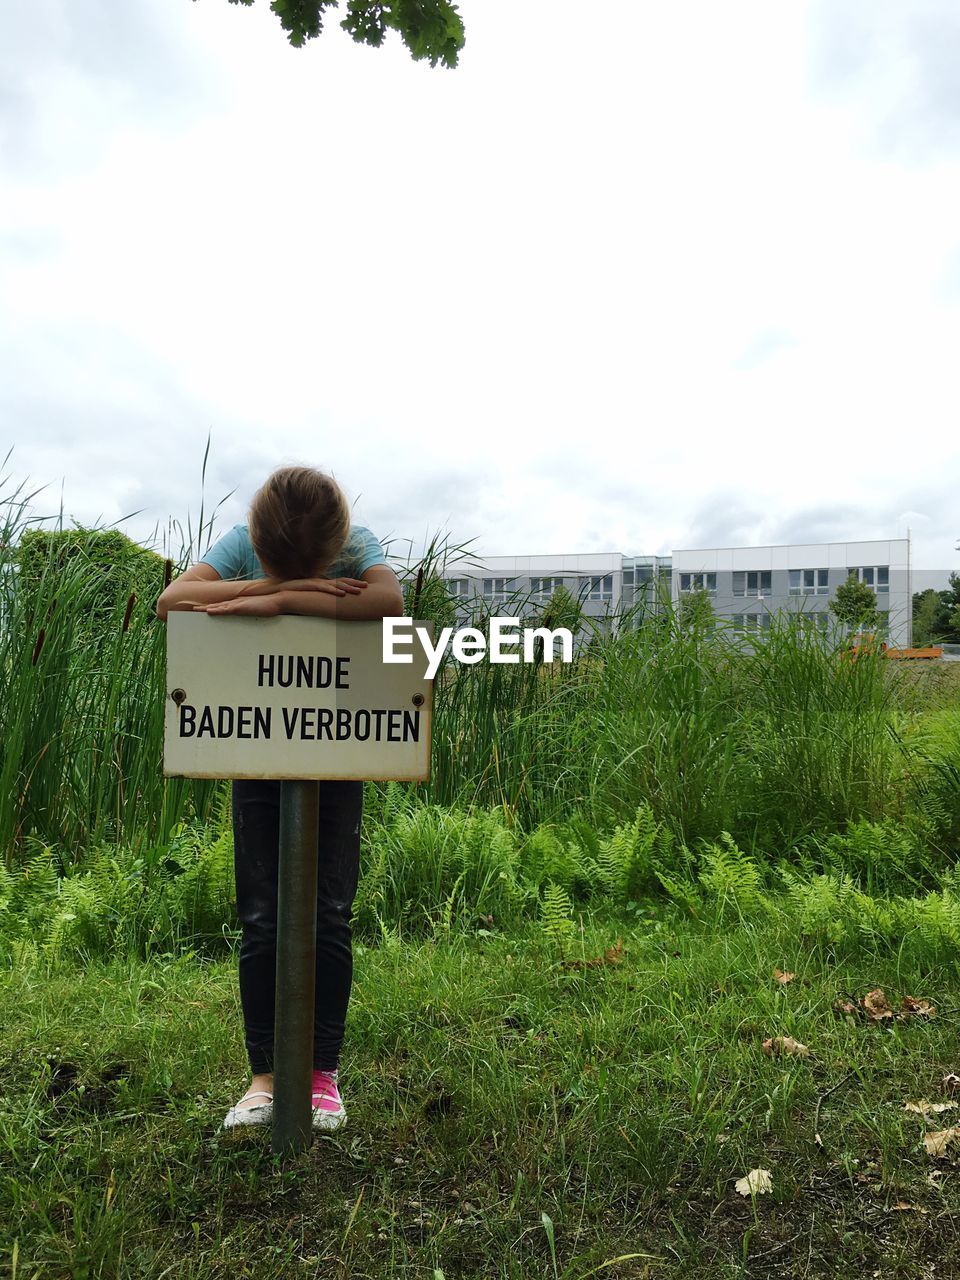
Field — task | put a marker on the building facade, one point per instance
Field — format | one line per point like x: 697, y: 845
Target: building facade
x: 749, y: 584
x: 746, y: 586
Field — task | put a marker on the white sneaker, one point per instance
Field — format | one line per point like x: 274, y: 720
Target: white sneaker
x: 262, y: 1113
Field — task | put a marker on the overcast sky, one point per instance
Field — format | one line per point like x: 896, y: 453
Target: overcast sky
x: 683, y: 275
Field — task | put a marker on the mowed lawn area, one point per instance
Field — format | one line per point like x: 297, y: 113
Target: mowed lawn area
x: 517, y: 1108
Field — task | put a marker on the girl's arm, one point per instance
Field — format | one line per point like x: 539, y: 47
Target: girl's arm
x: 201, y: 586
x: 375, y: 595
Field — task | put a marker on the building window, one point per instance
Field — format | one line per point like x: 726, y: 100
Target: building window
x: 494, y: 589
x: 815, y: 620
x: 753, y: 582
x: 756, y: 621
x: 597, y: 588
x: 459, y: 588
x: 638, y: 576
x: 809, y: 582
x: 543, y: 588
x: 875, y: 576
x: 699, y: 582
x: 738, y: 622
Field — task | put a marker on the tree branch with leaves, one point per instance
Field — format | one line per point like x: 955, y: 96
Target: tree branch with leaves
x: 431, y: 29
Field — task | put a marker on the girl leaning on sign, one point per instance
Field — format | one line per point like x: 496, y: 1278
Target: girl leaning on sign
x: 298, y: 553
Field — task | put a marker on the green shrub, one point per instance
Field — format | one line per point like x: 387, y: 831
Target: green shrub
x: 176, y: 895
x: 114, y: 565
x: 432, y: 866
x: 879, y: 856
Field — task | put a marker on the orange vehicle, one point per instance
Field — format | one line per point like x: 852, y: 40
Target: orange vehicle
x: 929, y: 651
x: 866, y: 643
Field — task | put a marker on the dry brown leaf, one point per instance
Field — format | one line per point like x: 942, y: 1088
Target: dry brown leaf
x: 780, y: 1046
x: 929, y: 1108
x: 901, y: 1206
x: 876, y: 1005
x: 845, y: 1008
x: 756, y: 1183
x: 912, y: 1007
x: 951, y: 1081
x: 783, y: 978
x: 612, y: 955
x: 937, y: 1143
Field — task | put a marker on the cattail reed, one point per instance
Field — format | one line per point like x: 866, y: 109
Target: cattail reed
x: 131, y: 601
x: 41, y: 636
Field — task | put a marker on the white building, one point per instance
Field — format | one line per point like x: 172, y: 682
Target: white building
x: 747, y: 585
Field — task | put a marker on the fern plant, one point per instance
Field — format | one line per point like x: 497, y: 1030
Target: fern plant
x: 818, y: 907
x: 730, y: 879
x: 556, y: 914
x: 628, y: 862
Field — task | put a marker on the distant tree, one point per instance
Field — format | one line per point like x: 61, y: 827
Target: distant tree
x: 931, y: 617
x: 951, y: 600
x: 695, y: 609
x: 855, y: 605
x: 936, y: 614
x: 430, y: 29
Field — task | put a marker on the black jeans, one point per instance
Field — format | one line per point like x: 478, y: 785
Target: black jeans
x: 256, y: 840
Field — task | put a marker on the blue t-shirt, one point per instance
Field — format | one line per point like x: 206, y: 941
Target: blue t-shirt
x: 234, y: 557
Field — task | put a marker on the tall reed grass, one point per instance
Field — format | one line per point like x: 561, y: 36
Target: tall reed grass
x: 769, y: 739
x: 81, y: 698
x: 776, y: 740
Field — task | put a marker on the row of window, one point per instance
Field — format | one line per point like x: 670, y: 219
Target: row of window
x: 802, y: 582
x: 746, y: 582
x: 598, y: 588
x: 811, y: 621
x: 643, y: 574
x: 763, y: 621
x: 750, y: 622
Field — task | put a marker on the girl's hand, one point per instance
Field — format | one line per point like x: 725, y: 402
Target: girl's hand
x: 334, y: 586
x: 252, y: 606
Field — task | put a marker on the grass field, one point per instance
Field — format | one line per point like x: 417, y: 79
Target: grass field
x: 513, y: 1112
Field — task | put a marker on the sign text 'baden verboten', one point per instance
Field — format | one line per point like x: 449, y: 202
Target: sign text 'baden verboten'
x: 291, y: 697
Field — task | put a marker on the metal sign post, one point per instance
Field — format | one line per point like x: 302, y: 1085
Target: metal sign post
x: 296, y: 967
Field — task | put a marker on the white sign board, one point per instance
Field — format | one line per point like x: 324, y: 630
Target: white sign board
x: 292, y: 697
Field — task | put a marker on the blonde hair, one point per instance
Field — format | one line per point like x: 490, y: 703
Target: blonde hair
x: 299, y: 522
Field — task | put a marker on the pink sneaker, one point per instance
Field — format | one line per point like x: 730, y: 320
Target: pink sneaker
x: 328, y: 1112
